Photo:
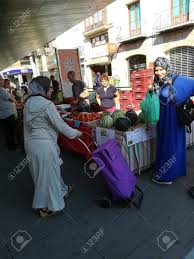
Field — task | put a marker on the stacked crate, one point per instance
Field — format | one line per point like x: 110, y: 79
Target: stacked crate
x: 125, y: 98
x: 140, y: 80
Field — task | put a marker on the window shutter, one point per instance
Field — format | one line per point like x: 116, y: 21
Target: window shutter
x: 182, y: 60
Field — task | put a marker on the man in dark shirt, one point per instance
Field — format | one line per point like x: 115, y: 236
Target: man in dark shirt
x: 80, y: 93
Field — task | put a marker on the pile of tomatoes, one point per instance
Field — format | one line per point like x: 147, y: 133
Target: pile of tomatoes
x: 84, y: 116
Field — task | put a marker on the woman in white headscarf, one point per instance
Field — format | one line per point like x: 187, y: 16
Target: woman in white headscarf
x: 42, y: 123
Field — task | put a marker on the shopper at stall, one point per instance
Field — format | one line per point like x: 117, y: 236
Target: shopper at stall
x: 8, y: 114
x: 80, y: 93
x: 171, y: 154
x: 42, y: 123
x: 107, y: 96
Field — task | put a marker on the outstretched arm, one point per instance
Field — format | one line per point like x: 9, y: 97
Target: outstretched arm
x: 57, y: 122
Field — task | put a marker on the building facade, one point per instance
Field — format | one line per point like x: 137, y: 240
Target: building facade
x: 141, y: 32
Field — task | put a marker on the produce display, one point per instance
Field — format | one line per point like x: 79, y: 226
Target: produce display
x: 118, y: 119
x: 84, y: 116
x: 122, y: 123
x: 117, y: 114
x: 132, y: 115
x: 106, y: 121
x: 106, y: 113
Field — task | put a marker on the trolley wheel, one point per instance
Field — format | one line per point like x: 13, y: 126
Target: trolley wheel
x: 105, y: 202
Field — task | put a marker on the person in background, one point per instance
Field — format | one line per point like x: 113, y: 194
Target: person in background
x: 42, y: 123
x: 57, y: 95
x: 97, y: 80
x: 24, y: 90
x: 8, y: 113
x: 80, y: 93
x: 171, y: 137
x: 54, y: 83
x: 107, y: 96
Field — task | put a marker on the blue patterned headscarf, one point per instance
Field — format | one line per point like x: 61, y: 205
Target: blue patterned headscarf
x: 167, y: 80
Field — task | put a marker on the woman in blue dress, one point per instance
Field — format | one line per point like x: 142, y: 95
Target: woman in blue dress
x: 171, y: 138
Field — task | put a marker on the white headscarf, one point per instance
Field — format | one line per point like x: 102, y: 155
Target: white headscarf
x: 35, y: 88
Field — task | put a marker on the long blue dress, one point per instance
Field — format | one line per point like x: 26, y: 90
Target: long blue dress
x: 171, y: 139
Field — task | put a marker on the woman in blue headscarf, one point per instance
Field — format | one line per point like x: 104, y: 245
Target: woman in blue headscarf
x: 171, y: 139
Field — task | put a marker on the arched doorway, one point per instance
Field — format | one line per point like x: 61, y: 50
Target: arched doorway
x: 182, y: 60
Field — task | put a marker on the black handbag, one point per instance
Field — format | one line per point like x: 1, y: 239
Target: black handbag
x: 184, y: 112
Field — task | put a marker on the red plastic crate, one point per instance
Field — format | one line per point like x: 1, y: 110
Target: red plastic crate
x: 125, y: 102
x: 136, y: 82
x: 125, y: 93
x: 139, y: 95
x: 126, y: 107
x: 135, y: 74
x: 140, y: 88
x: 142, y: 73
x: 136, y: 106
x: 148, y: 79
x: 125, y: 97
x: 147, y: 72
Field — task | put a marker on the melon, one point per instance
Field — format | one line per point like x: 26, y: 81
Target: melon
x: 117, y: 114
x: 132, y: 115
x: 106, y: 114
x: 122, y: 123
x: 106, y: 121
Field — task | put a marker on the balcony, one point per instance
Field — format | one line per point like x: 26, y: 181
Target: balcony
x: 98, y: 55
x: 173, y: 18
x: 130, y: 32
x: 96, y: 24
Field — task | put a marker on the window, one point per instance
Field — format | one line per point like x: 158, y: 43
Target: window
x: 134, y: 19
x: 137, y: 62
x: 180, y: 11
x: 99, y: 40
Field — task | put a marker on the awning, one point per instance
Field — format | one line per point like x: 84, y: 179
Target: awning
x: 96, y: 61
x: 17, y: 71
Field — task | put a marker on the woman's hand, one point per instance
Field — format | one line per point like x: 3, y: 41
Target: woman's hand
x: 79, y: 134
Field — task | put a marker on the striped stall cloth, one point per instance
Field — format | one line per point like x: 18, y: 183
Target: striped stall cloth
x: 141, y: 155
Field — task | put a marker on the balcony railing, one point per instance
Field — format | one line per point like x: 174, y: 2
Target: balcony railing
x: 174, y: 17
x: 127, y: 32
x: 96, y: 22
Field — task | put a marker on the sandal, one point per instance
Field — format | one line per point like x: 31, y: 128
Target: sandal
x: 71, y: 188
x: 47, y: 213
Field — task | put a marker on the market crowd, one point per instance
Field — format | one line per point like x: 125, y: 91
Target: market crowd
x: 42, y: 123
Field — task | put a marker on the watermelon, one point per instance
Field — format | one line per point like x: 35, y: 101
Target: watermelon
x: 132, y: 115
x: 106, y: 114
x: 141, y: 117
x: 123, y: 123
x: 117, y: 114
x: 106, y: 121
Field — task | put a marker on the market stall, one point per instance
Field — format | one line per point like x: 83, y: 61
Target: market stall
x: 138, y: 143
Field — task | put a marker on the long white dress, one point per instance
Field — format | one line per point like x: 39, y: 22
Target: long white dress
x: 42, y: 123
